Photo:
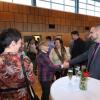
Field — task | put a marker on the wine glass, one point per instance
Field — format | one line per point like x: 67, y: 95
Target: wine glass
x: 70, y: 74
x: 77, y: 69
x: 79, y: 73
x: 76, y: 81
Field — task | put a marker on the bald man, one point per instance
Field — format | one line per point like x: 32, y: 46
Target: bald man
x: 92, y: 55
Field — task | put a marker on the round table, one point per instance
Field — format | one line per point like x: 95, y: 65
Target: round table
x: 64, y: 89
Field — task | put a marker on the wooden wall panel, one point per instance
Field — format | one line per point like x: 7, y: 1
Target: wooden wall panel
x: 6, y: 16
x: 19, y: 26
x: 25, y: 27
x: 1, y: 6
x: 52, y: 20
x: 29, y: 27
x: 36, y: 11
x: 31, y: 18
x: 43, y: 12
x: 25, y: 18
x: 32, y: 11
x: 12, y: 24
x: 2, y: 25
x: 19, y: 17
x: 13, y: 8
x: 36, y: 20
x: 6, y: 7
x: 26, y: 10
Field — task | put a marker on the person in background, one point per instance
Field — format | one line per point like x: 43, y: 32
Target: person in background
x: 50, y: 43
x: 12, y: 82
x: 71, y: 42
x: 32, y: 49
x: 78, y: 46
x: 46, y: 69
x: 92, y: 55
x: 58, y: 55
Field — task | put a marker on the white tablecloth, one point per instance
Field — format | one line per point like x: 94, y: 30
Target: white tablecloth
x: 61, y: 89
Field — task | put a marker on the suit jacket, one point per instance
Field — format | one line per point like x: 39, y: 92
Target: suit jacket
x: 94, y: 65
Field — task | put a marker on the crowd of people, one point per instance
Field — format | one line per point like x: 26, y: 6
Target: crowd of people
x: 51, y: 59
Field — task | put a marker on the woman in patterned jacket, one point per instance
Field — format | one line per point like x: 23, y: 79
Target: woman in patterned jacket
x: 12, y: 82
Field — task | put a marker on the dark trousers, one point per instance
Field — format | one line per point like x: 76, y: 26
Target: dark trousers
x: 45, y: 90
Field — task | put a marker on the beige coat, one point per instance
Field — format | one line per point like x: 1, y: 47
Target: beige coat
x: 55, y: 59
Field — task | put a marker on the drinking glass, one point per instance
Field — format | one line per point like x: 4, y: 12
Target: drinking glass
x: 79, y: 73
x: 77, y: 78
x: 70, y: 74
x: 77, y: 69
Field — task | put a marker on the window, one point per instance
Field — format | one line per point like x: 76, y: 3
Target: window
x: 6, y: 0
x: 26, y: 2
x: 82, y: 5
x: 58, y: 1
x: 90, y: 12
x: 90, y: 7
x: 63, y: 5
x: 97, y: 9
x: 97, y: 4
x: 69, y: 9
x: 97, y: 14
x: 56, y: 6
x: 43, y: 4
x: 70, y: 2
x: 84, y: 1
x: 82, y: 11
x: 90, y: 2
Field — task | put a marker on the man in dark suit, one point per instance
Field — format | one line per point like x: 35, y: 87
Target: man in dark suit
x: 78, y: 46
x: 93, y: 54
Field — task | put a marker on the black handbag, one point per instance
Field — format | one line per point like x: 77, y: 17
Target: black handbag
x: 30, y: 89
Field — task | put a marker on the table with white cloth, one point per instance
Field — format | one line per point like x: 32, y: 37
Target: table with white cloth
x: 64, y: 89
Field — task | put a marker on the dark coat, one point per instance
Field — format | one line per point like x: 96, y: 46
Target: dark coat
x: 78, y: 48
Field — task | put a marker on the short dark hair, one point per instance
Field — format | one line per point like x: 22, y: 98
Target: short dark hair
x: 60, y: 40
x: 48, y: 38
x: 75, y: 33
x: 7, y: 36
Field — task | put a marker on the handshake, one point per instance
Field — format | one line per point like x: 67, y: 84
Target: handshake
x: 65, y: 64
